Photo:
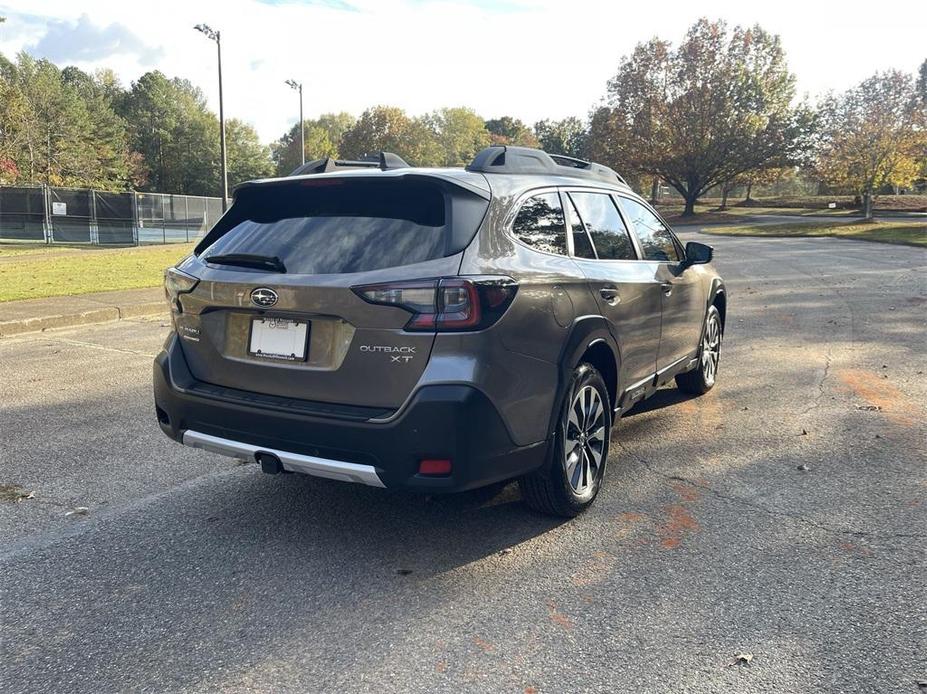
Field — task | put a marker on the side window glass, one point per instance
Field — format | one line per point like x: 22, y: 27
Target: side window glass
x: 582, y: 247
x: 541, y: 225
x: 656, y: 240
x: 604, y: 224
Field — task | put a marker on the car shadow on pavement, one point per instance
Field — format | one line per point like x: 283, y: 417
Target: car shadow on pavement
x: 665, y: 397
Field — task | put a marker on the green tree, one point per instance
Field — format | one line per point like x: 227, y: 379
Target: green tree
x: 15, y: 115
x: 922, y: 97
x: 323, y: 138
x: 387, y: 128
x: 178, y: 136
x: 58, y: 126
x: 922, y: 82
x: 247, y: 157
x: 701, y: 114
x: 872, y: 136
x: 567, y: 136
x: 507, y: 130
x: 460, y: 133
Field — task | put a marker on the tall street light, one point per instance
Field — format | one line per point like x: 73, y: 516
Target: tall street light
x: 293, y: 84
x: 214, y: 35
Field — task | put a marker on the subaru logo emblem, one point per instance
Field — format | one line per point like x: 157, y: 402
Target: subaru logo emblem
x: 264, y: 297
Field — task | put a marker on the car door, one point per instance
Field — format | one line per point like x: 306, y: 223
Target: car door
x: 625, y: 289
x: 683, y: 297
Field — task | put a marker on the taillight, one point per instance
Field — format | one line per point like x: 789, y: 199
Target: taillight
x: 453, y: 304
x: 175, y: 284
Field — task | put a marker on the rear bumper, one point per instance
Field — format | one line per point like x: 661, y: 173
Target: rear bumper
x: 455, y: 422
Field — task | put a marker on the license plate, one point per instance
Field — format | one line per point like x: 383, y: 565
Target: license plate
x: 279, y: 338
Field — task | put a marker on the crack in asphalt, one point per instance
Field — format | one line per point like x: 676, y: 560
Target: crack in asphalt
x: 732, y: 498
x: 828, y: 359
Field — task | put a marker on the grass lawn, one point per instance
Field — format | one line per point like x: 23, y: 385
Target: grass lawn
x: 907, y: 233
x: 707, y: 210
x: 33, y: 272
x: 709, y: 214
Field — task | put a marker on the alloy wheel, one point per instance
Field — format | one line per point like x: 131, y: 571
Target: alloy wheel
x: 584, y: 442
x: 711, y: 349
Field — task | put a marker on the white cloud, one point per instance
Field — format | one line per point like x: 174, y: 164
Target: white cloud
x: 529, y: 59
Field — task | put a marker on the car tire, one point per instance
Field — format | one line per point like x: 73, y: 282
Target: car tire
x: 703, y: 377
x: 571, y: 482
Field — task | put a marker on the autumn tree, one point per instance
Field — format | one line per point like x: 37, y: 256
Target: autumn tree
x: 700, y: 114
x: 387, y: 128
x: 870, y: 136
x: 323, y: 139
x: 507, y: 130
x: 459, y: 133
x: 567, y: 136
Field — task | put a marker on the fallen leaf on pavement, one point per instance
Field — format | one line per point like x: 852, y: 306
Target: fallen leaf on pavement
x: 15, y: 493
x: 741, y: 659
x: 78, y: 511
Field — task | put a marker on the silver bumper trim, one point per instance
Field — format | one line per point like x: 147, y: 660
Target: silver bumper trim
x: 294, y: 462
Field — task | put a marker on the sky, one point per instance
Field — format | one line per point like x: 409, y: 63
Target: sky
x: 530, y: 59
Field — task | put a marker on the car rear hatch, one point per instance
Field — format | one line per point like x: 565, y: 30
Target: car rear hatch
x: 279, y: 309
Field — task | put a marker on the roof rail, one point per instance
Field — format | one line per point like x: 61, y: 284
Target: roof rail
x: 525, y: 160
x: 380, y: 160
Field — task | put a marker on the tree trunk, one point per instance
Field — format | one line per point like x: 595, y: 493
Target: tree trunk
x: 654, y: 189
x: 724, y: 192
x: 867, y: 205
x: 689, y: 210
x: 749, y: 190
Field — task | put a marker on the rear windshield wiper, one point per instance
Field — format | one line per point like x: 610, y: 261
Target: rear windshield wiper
x: 260, y: 262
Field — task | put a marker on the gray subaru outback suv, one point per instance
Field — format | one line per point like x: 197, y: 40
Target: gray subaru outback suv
x: 435, y: 329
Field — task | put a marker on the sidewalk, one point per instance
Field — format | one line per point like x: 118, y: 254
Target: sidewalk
x: 31, y: 315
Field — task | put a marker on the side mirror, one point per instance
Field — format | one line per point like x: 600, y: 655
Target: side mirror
x: 698, y: 253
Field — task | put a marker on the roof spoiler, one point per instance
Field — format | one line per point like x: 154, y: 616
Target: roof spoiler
x: 381, y: 160
x: 525, y: 160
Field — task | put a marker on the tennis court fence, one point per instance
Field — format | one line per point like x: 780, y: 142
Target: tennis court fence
x: 49, y: 214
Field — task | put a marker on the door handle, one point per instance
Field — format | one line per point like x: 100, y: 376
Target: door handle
x: 610, y: 294
x: 667, y: 288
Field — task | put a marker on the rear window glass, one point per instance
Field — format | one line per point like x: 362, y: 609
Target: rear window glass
x: 339, y: 226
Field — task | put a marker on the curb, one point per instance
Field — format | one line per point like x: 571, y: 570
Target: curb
x: 106, y: 314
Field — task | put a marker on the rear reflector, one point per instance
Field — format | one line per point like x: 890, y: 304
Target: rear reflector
x: 434, y: 467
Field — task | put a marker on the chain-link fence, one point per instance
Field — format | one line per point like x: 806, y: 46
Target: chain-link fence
x: 75, y: 215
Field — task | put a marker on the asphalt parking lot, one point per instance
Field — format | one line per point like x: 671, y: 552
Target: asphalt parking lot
x: 783, y: 516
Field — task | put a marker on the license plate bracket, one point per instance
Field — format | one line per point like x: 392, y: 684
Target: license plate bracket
x: 280, y: 339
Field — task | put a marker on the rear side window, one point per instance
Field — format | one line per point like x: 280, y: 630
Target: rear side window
x: 540, y: 224
x: 342, y: 225
x: 656, y: 240
x: 604, y: 224
x: 582, y: 246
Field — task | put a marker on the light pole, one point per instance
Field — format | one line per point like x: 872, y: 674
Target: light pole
x: 214, y: 35
x: 293, y: 84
